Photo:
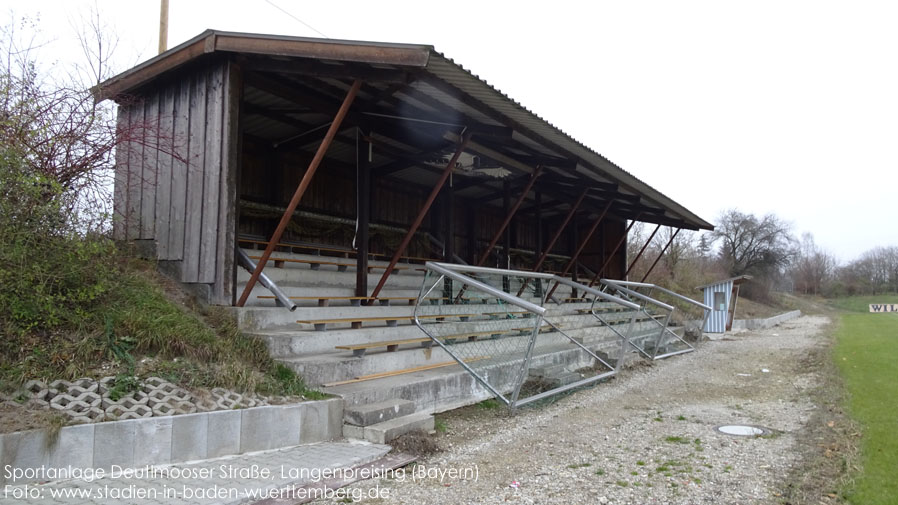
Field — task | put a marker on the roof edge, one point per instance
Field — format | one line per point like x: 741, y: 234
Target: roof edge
x: 209, y: 41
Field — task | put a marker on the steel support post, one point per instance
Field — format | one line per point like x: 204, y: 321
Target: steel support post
x: 669, y: 242
x: 589, y: 234
x: 647, y: 242
x: 613, y: 252
x: 364, y: 154
x: 567, y: 219
x: 447, y: 215
x: 301, y: 189
x: 421, y: 214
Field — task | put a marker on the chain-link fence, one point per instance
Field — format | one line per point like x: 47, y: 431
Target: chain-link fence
x: 678, y: 320
x: 500, y: 329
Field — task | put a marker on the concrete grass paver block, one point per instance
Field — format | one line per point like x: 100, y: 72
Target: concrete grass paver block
x: 114, y: 444
x: 153, y: 441
x: 373, y: 413
x: 189, y: 437
x: 223, y: 433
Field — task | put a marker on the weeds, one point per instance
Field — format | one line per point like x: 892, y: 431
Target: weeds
x: 135, y: 331
x: 489, y: 404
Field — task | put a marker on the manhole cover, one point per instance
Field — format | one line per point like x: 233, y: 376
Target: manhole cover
x: 742, y: 430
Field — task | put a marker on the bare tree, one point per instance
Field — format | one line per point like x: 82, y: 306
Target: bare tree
x: 813, y: 267
x: 57, y: 128
x: 876, y: 271
x: 750, y: 245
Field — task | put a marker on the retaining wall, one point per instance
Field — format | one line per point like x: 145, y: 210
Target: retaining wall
x: 162, y: 440
x: 760, y: 324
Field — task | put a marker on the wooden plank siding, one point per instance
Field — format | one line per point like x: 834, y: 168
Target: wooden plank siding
x: 180, y: 144
x: 175, y: 180
x: 223, y: 292
x: 196, y: 157
x: 149, y: 140
x: 120, y: 182
x: 135, y: 171
x: 164, y: 164
x: 211, y: 175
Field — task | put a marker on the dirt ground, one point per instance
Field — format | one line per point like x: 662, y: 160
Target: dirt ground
x: 649, y: 435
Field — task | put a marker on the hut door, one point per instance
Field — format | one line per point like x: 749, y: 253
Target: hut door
x: 734, y: 296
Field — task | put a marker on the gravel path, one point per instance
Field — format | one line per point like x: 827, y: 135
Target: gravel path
x: 646, y: 437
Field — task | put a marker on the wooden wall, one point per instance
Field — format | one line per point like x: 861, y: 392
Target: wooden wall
x: 600, y: 246
x: 175, y: 181
x: 270, y: 177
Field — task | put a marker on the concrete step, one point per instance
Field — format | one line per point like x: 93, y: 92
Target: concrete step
x: 404, y: 279
x: 287, y: 342
x: 387, y: 431
x: 338, y: 366
x: 446, y: 388
x: 547, y: 371
x: 258, y: 319
x: 374, y: 413
x: 563, y: 379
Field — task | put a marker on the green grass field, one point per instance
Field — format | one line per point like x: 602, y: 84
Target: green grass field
x: 867, y: 355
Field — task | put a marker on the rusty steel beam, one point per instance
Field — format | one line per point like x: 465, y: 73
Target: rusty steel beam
x: 669, y: 242
x: 510, y: 216
x: 567, y: 219
x: 300, y: 190
x: 421, y: 214
x: 647, y: 242
x: 613, y: 252
x: 589, y: 234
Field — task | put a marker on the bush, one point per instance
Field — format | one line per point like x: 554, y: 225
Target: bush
x: 51, y: 275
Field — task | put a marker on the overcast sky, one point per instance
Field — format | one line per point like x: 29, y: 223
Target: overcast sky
x: 789, y: 107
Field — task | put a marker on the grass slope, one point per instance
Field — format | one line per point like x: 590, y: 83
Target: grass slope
x: 867, y: 355
x: 142, y: 325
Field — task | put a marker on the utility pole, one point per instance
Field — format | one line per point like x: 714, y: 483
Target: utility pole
x: 163, y: 27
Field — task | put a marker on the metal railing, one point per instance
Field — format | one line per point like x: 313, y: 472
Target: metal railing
x: 499, y: 348
x: 665, y: 336
x: 281, y: 299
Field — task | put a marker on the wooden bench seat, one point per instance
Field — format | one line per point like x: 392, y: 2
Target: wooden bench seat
x: 315, y: 264
x: 343, y: 251
x: 356, y: 322
x: 356, y: 301
x: 513, y: 315
x: 602, y: 311
x: 358, y: 350
x: 298, y: 246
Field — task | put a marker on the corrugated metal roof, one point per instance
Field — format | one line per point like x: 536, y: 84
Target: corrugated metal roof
x: 437, y: 80
x: 463, y: 79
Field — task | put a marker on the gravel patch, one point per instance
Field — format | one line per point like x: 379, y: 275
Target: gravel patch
x: 645, y: 437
